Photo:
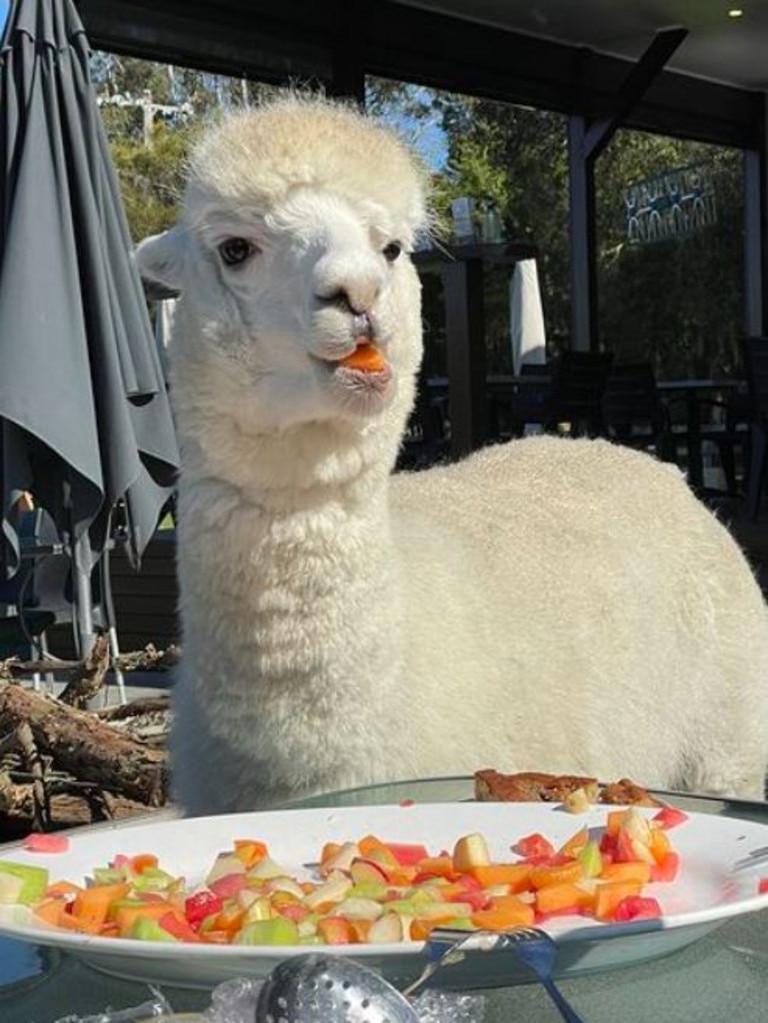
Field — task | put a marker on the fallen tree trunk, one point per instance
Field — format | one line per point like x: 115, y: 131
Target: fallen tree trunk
x: 92, y: 751
x: 69, y: 808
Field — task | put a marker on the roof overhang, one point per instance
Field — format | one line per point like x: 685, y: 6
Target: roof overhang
x: 333, y: 40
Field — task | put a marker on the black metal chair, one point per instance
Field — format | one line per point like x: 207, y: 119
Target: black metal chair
x: 634, y: 414
x: 40, y: 595
x: 754, y: 354
x: 578, y: 386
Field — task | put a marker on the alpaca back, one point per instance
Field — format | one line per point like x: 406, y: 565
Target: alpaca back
x: 586, y: 611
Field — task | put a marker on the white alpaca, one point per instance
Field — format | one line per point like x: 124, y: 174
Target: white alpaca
x: 545, y: 605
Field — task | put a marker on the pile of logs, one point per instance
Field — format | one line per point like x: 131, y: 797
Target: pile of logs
x: 62, y: 764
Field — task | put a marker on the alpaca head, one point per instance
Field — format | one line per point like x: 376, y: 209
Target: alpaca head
x: 293, y: 250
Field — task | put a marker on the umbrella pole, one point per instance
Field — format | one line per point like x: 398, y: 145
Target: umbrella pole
x: 81, y: 575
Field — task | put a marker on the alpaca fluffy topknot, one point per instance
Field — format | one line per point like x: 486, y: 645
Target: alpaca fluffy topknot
x: 255, y: 158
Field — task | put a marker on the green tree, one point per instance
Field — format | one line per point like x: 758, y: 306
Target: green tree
x: 152, y: 114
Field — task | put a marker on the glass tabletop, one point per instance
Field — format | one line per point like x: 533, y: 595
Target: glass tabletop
x: 723, y: 975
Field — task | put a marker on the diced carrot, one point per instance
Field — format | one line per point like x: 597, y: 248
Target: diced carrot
x: 359, y: 931
x: 659, y: 845
x: 435, y: 866
x: 613, y: 822
x: 329, y: 849
x: 366, y: 357
x: 569, y: 873
x: 250, y: 852
x: 609, y: 894
x: 505, y: 912
x: 229, y: 919
x: 557, y: 898
x: 421, y: 929
x: 217, y: 937
x: 142, y: 862
x: 50, y: 910
x: 636, y: 871
x: 516, y: 875
x: 93, y: 903
x: 575, y: 843
x: 62, y: 890
x: 70, y: 922
x: 373, y: 848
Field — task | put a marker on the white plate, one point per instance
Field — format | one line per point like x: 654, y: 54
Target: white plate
x: 703, y: 898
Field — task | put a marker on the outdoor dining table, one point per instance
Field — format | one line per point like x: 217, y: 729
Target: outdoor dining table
x: 723, y: 975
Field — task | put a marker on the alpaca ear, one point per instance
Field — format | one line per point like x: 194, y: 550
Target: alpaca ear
x: 159, y: 260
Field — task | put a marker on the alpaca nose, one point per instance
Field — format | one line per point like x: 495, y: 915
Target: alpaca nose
x: 348, y: 284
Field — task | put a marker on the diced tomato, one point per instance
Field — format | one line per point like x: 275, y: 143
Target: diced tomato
x: 608, y: 845
x: 637, y: 907
x: 533, y: 846
x: 408, y: 854
x: 762, y: 886
x: 669, y: 817
x: 202, y: 904
x: 407, y: 802
x: 41, y: 843
x: 624, y: 852
x: 476, y: 899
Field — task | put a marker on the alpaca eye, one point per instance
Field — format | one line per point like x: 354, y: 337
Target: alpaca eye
x: 392, y: 251
x: 234, y: 251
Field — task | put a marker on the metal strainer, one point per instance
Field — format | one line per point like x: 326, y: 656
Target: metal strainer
x: 317, y: 988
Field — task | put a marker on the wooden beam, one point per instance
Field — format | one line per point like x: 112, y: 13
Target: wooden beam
x: 634, y: 88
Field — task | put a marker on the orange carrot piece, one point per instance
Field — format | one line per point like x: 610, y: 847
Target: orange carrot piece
x: 250, y: 852
x: 366, y: 357
x: 142, y: 862
x: 516, y: 875
x: 556, y: 898
x: 638, y: 870
x: 568, y: 873
x: 505, y: 912
x: 575, y: 843
x: 372, y: 848
x: 609, y: 894
x: 93, y: 903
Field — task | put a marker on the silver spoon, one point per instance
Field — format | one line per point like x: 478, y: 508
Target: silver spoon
x: 317, y: 988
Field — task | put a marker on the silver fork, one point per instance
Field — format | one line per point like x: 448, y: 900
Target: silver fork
x: 534, y: 947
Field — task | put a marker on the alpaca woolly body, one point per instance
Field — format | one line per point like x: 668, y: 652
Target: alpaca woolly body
x: 548, y: 604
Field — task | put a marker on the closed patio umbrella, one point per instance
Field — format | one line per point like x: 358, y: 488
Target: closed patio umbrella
x: 84, y: 413
x: 526, y: 318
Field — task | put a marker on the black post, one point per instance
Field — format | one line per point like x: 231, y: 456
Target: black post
x: 465, y: 344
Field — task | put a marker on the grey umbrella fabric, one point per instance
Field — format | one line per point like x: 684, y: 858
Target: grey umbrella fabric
x: 84, y: 413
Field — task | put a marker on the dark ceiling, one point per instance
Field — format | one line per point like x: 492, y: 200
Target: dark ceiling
x: 576, y: 62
